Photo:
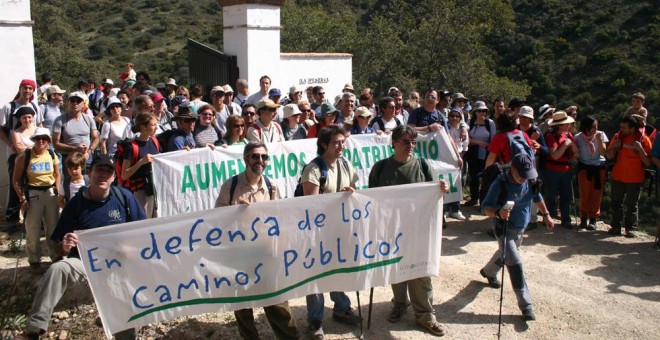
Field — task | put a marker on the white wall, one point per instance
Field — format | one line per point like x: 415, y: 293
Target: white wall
x: 330, y: 70
x: 17, y: 60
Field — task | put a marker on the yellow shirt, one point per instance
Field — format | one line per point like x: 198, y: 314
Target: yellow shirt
x: 40, y: 171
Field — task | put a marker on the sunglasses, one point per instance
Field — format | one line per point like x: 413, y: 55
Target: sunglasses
x: 249, y: 113
x: 256, y: 156
x: 306, y: 111
x: 238, y: 126
x: 41, y: 138
x: 76, y: 100
x: 188, y: 120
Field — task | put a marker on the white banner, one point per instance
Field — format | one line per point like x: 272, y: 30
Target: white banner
x: 187, y: 181
x: 252, y: 256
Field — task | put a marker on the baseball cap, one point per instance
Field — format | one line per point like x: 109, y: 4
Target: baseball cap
x: 524, y: 165
x: 267, y: 103
x: 55, y: 89
x: 101, y: 160
x: 274, y: 92
x: 156, y: 96
x: 78, y: 94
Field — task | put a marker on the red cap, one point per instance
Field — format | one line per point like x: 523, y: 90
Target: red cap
x: 156, y: 97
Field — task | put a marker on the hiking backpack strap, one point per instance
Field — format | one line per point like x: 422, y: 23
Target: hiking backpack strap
x: 232, y: 189
x: 122, y: 201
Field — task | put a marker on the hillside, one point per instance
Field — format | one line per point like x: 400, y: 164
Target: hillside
x: 592, y: 53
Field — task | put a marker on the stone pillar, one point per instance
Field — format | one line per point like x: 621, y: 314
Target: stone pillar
x: 17, y: 59
x: 251, y: 32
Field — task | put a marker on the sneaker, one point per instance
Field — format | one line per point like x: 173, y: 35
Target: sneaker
x: 434, y: 327
x: 591, y: 226
x: 29, y: 335
x: 471, y: 203
x: 346, y: 316
x: 528, y: 315
x: 396, y: 313
x: 316, y: 331
x: 615, y: 232
x: 457, y: 215
x: 493, y: 282
x: 582, y: 226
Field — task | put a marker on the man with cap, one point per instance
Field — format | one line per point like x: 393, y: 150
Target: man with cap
x: 510, y: 224
x: 264, y: 128
x: 183, y: 138
x: 291, y: 127
x: 234, y: 108
x: 99, y: 205
x: 51, y: 108
x: 242, y: 92
x: 264, y: 87
x: 222, y: 111
x: 275, y: 94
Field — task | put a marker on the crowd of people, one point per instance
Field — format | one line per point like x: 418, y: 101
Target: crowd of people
x: 67, y: 154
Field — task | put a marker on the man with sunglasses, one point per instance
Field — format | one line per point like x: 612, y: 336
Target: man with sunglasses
x: 75, y: 130
x: 185, y: 125
x: 264, y: 129
x: 404, y: 168
x: 249, y: 113
x: 426, y: 118
x: 248, y: 187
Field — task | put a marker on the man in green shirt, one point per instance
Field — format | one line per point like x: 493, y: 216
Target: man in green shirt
x: 404, y: 168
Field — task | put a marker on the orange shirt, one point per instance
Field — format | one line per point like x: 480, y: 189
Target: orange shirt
x: 629, y: 167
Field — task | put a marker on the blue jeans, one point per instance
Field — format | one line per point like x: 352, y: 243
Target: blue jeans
x: 558, y: 181
x: 316, y: 302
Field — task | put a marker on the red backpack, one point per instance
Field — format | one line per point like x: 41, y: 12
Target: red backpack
x: 132, y: 184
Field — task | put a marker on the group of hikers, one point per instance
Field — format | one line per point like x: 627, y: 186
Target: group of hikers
x: 67, y: 176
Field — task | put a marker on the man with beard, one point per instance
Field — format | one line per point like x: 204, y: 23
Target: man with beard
x: 245, y: 188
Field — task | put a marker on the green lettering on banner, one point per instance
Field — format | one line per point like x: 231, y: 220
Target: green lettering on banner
x: 219, y: 174
x: 434, y: 149
x: 278, y: 165
x: 188, y: 182
x: 203, y: 182
x: 241, y: 165
x: 292, y: 165
x: 231, y: 166
x: 452, y: 187
x: 367, y: 151
x: 375, y: 153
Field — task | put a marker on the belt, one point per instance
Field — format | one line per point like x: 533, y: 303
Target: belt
x: 44, y: 188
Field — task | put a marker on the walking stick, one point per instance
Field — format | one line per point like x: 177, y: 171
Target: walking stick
x: 360, y: 314
x: 371, y: 303
x: 507, y: 206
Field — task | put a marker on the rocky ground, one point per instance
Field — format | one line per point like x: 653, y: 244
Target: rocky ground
x: 585, y: 285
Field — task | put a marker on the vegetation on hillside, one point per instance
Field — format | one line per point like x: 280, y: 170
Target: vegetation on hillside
x: 591, y: 53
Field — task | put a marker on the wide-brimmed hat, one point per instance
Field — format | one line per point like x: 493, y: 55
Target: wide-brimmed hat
x: 479, y: 106
x: 114, y: 101
x: 41, y: 132
x: 546, y: 109
x: 171, y: 81
x: 185, y: 111
x: 295, y: 89
x: 327, y: 108
x: 459, y: 96
x: 363, y: 112
x: 227, y: 88
x: 24, y: 110
x: 526, y: 111
x: 217, y: 89
x: 291, y: 110
x: 348, y: 87
x: 560, y: 117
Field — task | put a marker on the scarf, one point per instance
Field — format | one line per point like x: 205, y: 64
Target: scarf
x: 590, y: 143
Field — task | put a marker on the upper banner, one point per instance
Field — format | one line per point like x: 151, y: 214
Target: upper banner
x: 187, y: 181
x: 252, y: 256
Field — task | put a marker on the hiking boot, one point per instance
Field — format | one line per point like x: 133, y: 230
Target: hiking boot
x: 316, y: 331
x: 457, y: 215
x: 528, y: 315
x: 434, y: 327
x: 471, y: 203
x: 493, y: 282
x: 396, y: 313
x: 346, y: 316
x: 614, y: 232
x: 629, y: 233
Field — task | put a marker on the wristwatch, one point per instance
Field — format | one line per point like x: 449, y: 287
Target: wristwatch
x: 545, y: 214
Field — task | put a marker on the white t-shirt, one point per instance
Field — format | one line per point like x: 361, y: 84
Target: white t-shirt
x: 114, y: 132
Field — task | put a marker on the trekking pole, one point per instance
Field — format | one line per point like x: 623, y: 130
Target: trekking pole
x: 575, y: 208
x: 360, y: 314
x: 507, y: 206
x: 371, y: 303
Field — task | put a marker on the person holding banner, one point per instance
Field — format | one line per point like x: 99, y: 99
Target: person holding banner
x: 329, y: 173
x: 404, y: 168
x: 100, y: 205
x: 245, y: 188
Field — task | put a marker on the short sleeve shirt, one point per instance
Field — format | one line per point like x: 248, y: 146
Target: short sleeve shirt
x: 74, y: 131
x: 586, y: 155
x: 245, y: 191
x: 312, y: 174
x: 500, y: 146
x: 628, y: 167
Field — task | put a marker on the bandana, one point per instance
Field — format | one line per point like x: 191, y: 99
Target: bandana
x: 23, y: 83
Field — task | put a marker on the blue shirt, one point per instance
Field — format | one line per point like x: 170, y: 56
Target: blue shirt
x: 655, y: 152
x: 521, y: 194
x: 420, y: 117
x: 81, y: 213
x: 181, y: 140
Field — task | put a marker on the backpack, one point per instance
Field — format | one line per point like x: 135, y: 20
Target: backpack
x: 114, y: 190
x: 27, y: 157
x: 95, y: 101
x: 258, y: 128
x: 473, y: 121
x: 381, y: 123
x: 324, y: 175
x: 132, y: 184
x: 10, y: 122
x: 234, y: 183
x: 164, y: 139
